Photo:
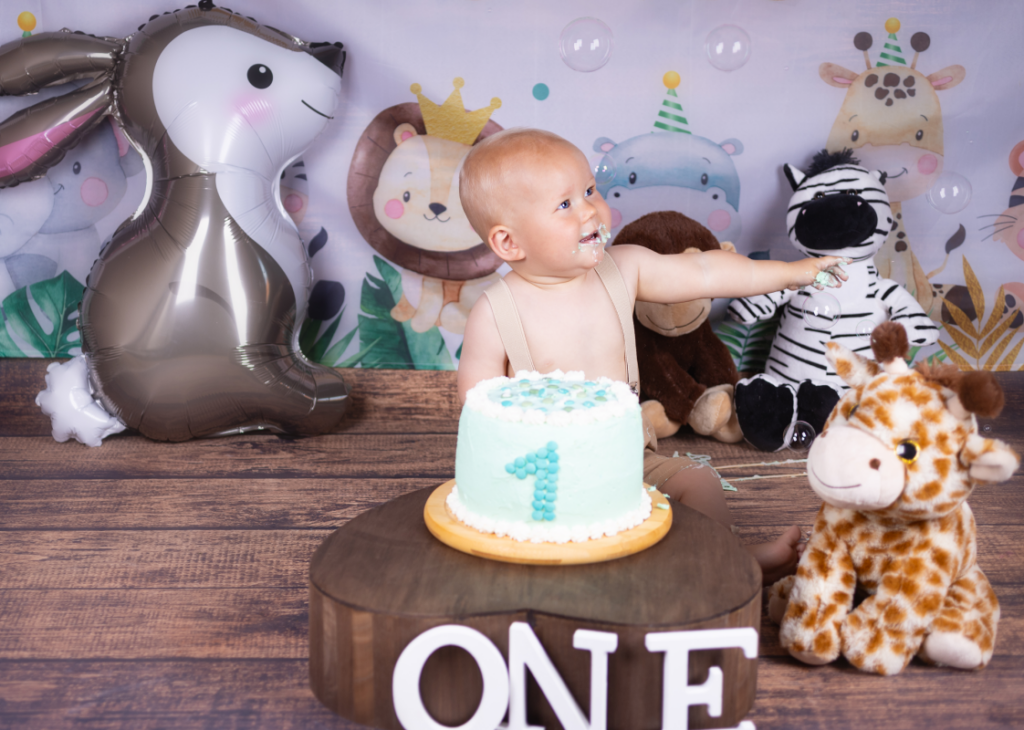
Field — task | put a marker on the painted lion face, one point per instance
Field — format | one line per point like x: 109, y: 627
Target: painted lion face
x: 417, y: 196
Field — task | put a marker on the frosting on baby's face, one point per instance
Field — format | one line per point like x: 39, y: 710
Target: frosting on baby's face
x: 560, y: 223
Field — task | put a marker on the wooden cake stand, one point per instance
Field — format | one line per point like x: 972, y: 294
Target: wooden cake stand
x: 447, y: 528
x: 382, y: 579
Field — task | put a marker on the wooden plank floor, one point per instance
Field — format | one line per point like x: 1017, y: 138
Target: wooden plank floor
x: 149, y: 585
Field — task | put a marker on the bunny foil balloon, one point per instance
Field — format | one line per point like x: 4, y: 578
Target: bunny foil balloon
x: 190, y: 316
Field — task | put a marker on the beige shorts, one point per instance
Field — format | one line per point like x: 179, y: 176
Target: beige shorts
x: 657, y: 468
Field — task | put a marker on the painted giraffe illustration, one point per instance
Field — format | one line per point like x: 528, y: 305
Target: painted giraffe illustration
x: 892, y: 117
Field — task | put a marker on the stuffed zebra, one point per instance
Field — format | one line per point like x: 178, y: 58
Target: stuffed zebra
x: 838, y: 208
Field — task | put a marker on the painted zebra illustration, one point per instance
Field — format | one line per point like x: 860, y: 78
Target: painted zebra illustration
x: 838, y: 208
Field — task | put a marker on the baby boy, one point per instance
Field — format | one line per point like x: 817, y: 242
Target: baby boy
x: 532, y: 198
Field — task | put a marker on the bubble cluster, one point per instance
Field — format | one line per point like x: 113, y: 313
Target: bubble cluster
x: 728, y: 47
x: 586, y: 44
x: 604, y: 170
x: 950, y: 194
x: 823, y: 309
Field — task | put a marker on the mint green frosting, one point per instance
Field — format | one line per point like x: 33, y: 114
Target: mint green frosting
x: 599, y: 464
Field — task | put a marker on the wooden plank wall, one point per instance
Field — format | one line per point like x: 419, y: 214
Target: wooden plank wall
x: 150, y: 585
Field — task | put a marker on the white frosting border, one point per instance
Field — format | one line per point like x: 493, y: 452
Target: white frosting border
x: 523, y: 531
x: 625, y: 401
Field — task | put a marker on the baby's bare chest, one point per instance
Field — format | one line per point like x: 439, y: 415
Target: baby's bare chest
x: 579, y: 334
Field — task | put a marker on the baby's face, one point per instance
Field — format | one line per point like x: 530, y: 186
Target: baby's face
x: 557, y: 213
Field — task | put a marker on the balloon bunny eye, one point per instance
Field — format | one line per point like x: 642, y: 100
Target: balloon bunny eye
x: 260, y: 76
x: 76, y: 168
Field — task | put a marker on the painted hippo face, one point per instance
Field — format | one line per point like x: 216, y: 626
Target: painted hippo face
x: 23, y: 209
x: 230, y: 99
x: 672, y: 171
x: 89, y: 182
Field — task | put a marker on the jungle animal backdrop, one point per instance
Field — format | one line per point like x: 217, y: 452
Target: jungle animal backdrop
x: 666, y: 125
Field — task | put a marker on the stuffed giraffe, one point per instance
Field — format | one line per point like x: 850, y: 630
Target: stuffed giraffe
x: 892, y: 118
x: 895, y: 464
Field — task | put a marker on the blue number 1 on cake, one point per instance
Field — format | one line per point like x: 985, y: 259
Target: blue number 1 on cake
x: 543, y: 465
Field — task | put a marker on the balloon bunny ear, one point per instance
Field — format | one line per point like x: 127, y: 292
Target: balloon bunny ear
x: 35, y: 139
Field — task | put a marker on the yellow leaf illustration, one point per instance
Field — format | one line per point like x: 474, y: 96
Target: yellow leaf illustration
x: 998, y: 351
x: 997, y: 311
x: 962, y: 320
x: 998, y: 332
x: 1007, y: 363
x: 964, y: 342
x: 956, y: 357
x: 974, y: 288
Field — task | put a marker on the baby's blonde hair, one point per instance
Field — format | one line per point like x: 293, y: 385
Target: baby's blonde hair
x: 492, y: 165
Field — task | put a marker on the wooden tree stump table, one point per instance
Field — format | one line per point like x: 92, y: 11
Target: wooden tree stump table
x: 382, y: 579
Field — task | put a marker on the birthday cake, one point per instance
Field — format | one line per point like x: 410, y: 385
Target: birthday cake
x: 550, y: 458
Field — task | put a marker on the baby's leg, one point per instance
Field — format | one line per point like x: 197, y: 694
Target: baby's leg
x: 697, y: 486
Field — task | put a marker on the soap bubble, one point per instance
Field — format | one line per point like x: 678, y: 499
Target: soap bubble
x: 586, y: 44
x: 728, y: 47
x: 799, y: 436
x: 822, y: 309
x: 865, y: 327
x: 950, y: 194
x: 604, y: 170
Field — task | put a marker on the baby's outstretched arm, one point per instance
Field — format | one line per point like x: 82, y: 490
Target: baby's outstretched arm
x: 696, y: 275
x: 483, y: 354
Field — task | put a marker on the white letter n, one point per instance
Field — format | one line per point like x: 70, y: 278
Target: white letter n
x: 525, y: 650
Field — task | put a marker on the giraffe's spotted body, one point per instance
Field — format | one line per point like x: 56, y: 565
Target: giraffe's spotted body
x: 898, y: 458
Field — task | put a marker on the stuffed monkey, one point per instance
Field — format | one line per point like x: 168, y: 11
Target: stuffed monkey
x: 686, y: 372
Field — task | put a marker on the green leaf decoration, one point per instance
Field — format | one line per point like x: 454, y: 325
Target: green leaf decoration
x: 8, y: 347
x: 56, y: 334
x: 307, y: 335
x: 332, y: 356
x: 385, y: 343
x: 316, y: 347
x: 319, y: 348
x: 749, y: 344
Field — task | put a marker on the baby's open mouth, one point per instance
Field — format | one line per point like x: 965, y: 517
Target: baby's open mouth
x: 600, y: 236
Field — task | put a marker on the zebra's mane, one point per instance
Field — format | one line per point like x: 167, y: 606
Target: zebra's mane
x: 825, y: 160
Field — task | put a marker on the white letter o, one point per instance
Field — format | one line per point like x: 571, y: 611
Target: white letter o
x: 405, y: 681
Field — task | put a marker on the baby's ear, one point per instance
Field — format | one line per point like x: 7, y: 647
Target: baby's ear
x: 500, y: 240
x: 728, y: 246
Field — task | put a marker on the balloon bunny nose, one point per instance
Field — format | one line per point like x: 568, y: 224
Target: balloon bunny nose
x: 330, y: 55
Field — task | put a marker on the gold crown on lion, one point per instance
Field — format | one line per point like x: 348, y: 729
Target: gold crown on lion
x: 451, y: 120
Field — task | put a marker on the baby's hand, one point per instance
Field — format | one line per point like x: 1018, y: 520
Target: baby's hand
x: 826, y: 271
